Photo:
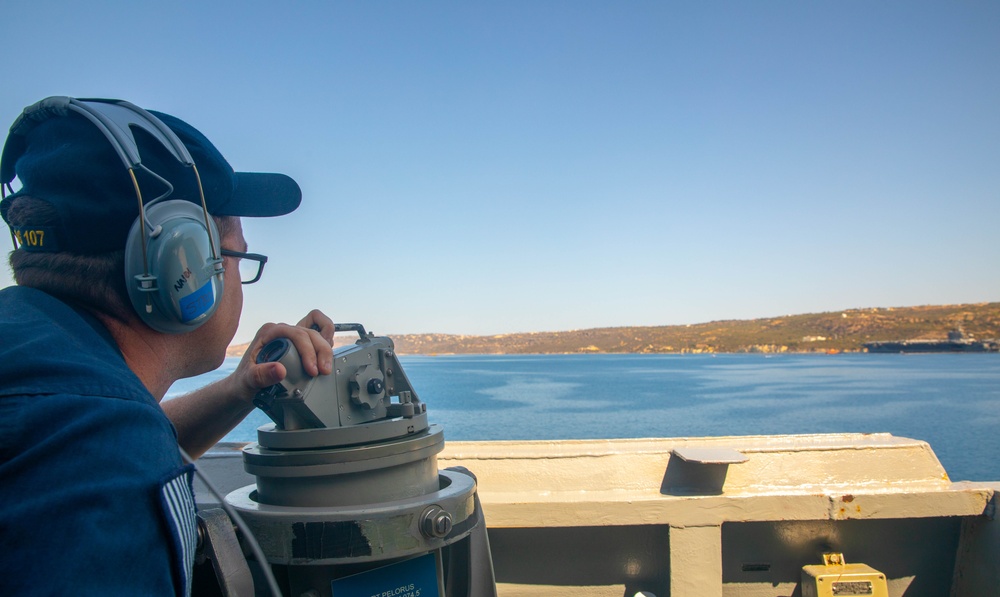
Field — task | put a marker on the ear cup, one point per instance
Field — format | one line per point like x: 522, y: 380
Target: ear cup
x: 185, y: 280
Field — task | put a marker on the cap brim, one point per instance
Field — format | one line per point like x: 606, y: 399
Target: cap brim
x: 260, y: 195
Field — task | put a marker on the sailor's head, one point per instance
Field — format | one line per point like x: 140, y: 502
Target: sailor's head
x: 65, y: 160
x: 88, y: 169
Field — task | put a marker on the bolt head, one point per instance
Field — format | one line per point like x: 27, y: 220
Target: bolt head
x: 442, y: 524
x: 436, y: 523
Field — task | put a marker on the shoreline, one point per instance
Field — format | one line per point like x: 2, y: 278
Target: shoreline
x: 835, y: 332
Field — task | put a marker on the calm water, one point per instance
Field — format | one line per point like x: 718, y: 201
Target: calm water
x: 950, y: 401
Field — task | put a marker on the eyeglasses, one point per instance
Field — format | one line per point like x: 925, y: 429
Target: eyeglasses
x: 251, y: 265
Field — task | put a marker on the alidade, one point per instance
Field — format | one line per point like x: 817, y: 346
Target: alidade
x: 348, y: 498
x: 326, y: 409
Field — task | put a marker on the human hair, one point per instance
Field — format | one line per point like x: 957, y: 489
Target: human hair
x: 95, y: 282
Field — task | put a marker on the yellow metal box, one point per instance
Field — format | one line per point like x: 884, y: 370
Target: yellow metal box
x: 839, y: 579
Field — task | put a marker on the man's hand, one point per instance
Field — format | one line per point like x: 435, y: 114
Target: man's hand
x: 313, y: 339
x: 205, y: 416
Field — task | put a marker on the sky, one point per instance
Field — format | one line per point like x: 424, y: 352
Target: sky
x: 489, y: 168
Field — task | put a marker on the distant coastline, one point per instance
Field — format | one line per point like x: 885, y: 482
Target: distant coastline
x: 832, y: 332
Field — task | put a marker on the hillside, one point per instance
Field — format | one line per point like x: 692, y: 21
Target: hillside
x: 816, y: 332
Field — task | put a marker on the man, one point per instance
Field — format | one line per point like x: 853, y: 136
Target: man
x: 95, y: 498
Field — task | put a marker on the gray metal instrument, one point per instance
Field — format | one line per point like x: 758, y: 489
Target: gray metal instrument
x: 354, y: 404
x: 348, y: 492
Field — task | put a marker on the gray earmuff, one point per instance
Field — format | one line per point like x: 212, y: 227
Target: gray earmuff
x: 181, y: 287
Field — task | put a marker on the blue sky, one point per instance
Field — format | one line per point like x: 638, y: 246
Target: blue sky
x: 481, y: 168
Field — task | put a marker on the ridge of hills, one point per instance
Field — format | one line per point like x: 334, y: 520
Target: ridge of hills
x: 835, y: 331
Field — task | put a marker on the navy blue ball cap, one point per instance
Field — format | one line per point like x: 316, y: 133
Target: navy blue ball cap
x: 62, y: 158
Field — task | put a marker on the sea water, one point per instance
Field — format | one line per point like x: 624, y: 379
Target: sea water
x: 952, y: 401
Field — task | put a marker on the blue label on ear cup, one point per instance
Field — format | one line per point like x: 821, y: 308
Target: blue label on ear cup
x: 198, y: 302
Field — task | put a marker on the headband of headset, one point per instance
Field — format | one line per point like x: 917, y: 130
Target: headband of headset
x: 114, y: 118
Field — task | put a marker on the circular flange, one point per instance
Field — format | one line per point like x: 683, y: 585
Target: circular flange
x: 332, y: 437
x: 340, y: 477
x: 361, y: 533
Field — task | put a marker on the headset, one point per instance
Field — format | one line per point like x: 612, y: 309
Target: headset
x: 173, y: 263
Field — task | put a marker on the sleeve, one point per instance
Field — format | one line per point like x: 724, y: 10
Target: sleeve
x: 96, y: 499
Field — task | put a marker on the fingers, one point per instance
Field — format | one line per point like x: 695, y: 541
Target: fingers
x: 318, y: 321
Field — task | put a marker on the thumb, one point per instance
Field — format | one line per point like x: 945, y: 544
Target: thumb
x: 267, y: 374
